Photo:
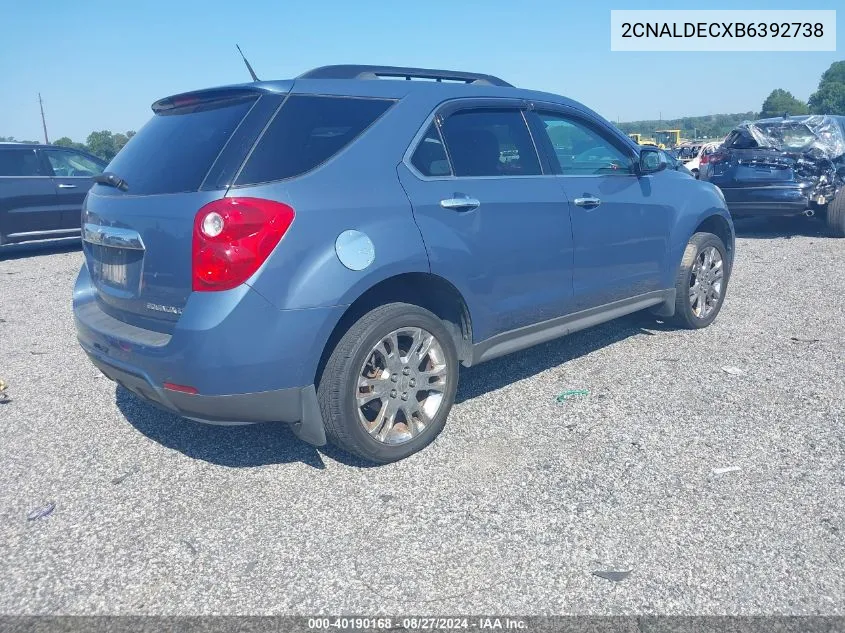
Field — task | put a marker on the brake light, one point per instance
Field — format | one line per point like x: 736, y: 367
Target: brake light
x: 715, y: 157
x: 233, y: 237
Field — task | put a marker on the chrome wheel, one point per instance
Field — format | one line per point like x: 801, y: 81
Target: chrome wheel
x: 401, y: 385
x: 705, y: 290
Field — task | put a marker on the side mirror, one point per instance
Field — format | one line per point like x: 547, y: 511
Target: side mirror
x: 650, y: 161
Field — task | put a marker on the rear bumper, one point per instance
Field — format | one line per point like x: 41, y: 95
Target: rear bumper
x: 769, y: 201
x: 249, y: 361
x: 296, y: 406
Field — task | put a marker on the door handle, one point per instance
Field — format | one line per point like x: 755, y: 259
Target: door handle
x: 64, y: 186
x: 460, y: 203
x: 588, y: 202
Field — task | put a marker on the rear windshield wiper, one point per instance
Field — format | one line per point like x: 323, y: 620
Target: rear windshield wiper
x: 112, y: 180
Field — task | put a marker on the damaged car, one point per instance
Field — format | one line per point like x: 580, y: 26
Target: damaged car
x: 784, y: 166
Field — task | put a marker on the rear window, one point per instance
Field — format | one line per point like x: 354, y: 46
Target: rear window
x: 490, y: 143
x: 174, y: 151
x: 306, y: 132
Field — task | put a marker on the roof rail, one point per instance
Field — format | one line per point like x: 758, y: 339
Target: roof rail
x: 353, y: 71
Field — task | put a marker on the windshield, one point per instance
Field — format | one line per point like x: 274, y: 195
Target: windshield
x: 790, y: 137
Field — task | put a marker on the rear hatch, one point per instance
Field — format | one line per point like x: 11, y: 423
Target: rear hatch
x: 764, y: 154
x: 752, y: 168
x: 137, y: 241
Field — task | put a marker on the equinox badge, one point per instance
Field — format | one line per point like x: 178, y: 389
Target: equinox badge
x: 160, y: 308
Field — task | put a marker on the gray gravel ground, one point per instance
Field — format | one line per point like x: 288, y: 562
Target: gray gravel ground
x: 509, y: 511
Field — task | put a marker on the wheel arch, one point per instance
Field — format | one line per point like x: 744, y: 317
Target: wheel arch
x: 426, y: 290
x: 719, y: 226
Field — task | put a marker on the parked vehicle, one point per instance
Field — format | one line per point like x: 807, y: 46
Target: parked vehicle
x: 41, y: 190
x: 674, y: 163
x: 702, y: 153
x: 325, y: 251
x: 784, y: 166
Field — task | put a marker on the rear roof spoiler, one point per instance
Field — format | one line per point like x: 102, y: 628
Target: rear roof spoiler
x: 352, y: 71
x: 205, y: 96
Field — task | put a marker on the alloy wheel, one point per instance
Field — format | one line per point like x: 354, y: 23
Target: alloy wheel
x: 400, y: 387
x: 706, y: 282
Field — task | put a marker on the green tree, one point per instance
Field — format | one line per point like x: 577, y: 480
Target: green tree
x: 830, y: 96
x: 122, y: 139
x: 67, y: 142
x: 102, y: 144
x: 781, y: 102
x: 835, y: 74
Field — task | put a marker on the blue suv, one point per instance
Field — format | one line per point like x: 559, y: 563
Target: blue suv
x: 326, y: 251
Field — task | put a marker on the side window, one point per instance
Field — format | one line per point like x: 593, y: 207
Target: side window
x: 70, y: 164
x: 581, y: 150
x: 306, y: 132
x: 19, y: 162
x: 490, y: 143
x: 430, y: 156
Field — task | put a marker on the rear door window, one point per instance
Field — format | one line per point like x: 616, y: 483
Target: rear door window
x: 174, y: 151
x: 20, y: 162
x: 490, y: 142
x: 306, y: 132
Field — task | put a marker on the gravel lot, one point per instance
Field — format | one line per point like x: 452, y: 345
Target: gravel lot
x: 511, y: 510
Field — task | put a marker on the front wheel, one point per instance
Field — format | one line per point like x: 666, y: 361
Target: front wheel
x: 701, y: 282
x: 389, y: 383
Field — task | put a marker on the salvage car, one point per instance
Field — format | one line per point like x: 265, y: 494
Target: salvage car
x: 41, y: 190
x: 783, y: 166
x: 326, y: 251
x: 701, y: 155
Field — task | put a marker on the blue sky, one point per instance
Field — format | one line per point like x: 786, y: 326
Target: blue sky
x: 99, y: 65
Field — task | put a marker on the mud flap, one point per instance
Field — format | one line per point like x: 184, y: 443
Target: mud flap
x: 667, y: 307
x: 310, y: 428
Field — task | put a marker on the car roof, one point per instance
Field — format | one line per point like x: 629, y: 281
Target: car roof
x: 18, y: 144
x: 367, y: 81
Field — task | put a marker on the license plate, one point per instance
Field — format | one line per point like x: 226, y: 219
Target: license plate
x: 113, y: 268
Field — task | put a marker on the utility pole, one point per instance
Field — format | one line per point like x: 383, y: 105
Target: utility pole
x: 43, y: 120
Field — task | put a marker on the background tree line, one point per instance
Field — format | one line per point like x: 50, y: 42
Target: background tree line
x: 104, y: 143
x: 829, y: 98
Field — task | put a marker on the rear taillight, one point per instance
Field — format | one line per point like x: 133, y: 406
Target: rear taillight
x: 716, y: 157
x: 233, y: 237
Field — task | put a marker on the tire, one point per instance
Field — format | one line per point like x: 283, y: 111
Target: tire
x: 836, y: 215
x: 339, y: 384
x: 688, y: 309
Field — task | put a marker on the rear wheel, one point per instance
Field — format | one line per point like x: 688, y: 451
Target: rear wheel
x: 702, y: 281
x: 389, y: 383
x: 836, y: 215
